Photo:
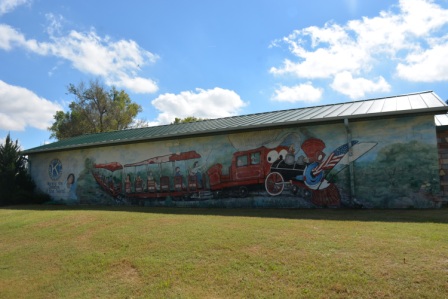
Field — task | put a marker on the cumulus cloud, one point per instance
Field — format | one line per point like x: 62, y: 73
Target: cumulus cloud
x: 22, y: 108
x: 410, y: 36
x: 300, y: 93
x: 117, y: 62
x: 429, y: 65
x: 7, y: 6
x: 9, y: 37
x: 210, y: 103
x: 358, y: 87
x: 137, y: 84
x: 340, y: 54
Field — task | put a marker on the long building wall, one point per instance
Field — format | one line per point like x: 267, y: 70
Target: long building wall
x: 385, y: 163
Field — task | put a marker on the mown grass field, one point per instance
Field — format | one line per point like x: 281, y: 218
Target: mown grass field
x: 85, y: 252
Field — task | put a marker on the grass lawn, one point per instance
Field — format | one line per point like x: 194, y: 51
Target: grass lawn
x: 97, y: 252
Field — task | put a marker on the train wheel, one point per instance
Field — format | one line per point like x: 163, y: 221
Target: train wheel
x: 274, y: 183
x: 307, y: 194
x: 243, y: 191
x: 294, y: 190
x: 217, y: 194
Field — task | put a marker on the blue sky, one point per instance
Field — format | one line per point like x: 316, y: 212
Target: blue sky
x: 214, y: 59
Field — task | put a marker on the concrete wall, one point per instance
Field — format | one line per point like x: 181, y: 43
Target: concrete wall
x: 385, y: 163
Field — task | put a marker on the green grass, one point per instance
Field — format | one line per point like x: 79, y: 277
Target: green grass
x: 85, y: 252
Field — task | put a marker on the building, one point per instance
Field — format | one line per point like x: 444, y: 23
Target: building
x: 376, y: 153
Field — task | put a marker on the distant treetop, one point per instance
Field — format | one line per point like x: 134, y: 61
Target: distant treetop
x: 188, y: 119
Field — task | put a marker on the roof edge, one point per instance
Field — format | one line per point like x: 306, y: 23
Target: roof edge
x: 431, y: 111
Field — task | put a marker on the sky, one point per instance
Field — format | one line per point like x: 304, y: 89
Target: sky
x: 212, y: 59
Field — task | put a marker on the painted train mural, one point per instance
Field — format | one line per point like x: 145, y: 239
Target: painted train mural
x: 277, y: 169
x: 309, y: 167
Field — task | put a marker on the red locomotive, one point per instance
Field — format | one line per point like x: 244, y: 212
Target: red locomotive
x: 247, y: 171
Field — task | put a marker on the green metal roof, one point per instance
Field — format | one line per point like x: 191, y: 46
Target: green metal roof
x: 415, y: 103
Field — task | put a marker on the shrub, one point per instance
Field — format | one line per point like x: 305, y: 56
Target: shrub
x: 16, y: 185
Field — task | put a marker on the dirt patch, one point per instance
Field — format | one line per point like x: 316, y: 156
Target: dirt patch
x: 126, y: 272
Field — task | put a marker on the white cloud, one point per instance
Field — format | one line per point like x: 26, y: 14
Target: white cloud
x: 356, y: 88
x: 210, y: 103
x: 9, y: 5
x: 117, y: 62
x: 341, y: 54
x: 137, y: 84
x: 421, y: 17
x: 300, y: 93
x: 410, y: 37
x: 22, y: 108
x: 55, y: 23
x: 9, y: 37
x: 427, y: 66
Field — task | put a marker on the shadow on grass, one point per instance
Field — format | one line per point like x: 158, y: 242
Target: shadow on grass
x: 366, y: 215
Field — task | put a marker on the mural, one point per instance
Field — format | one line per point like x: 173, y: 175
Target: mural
x: 295, y: 167
x: 307, y: 175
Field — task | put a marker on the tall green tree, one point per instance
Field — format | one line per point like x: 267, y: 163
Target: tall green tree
x: 14, y: 179
x: 94, y: 110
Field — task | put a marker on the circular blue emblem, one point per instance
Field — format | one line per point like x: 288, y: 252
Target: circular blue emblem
x: 310, y: 178
x: 55, y: 169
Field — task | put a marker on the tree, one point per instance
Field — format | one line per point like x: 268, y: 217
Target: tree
x: 94, y: 110
x: 188, y: 119
x: 14, y: 179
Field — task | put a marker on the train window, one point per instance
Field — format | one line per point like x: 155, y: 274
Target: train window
x: 241, y: 161
x: 255, y: 158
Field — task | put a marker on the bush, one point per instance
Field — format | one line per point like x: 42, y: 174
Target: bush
x: 40, y: 198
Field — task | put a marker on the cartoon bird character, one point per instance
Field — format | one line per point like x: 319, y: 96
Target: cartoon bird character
x: 324, y: 192
x: 313, y: 173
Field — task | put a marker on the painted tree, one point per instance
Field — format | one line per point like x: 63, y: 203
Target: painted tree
x: 400, y: 169
x: 94, y: 110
